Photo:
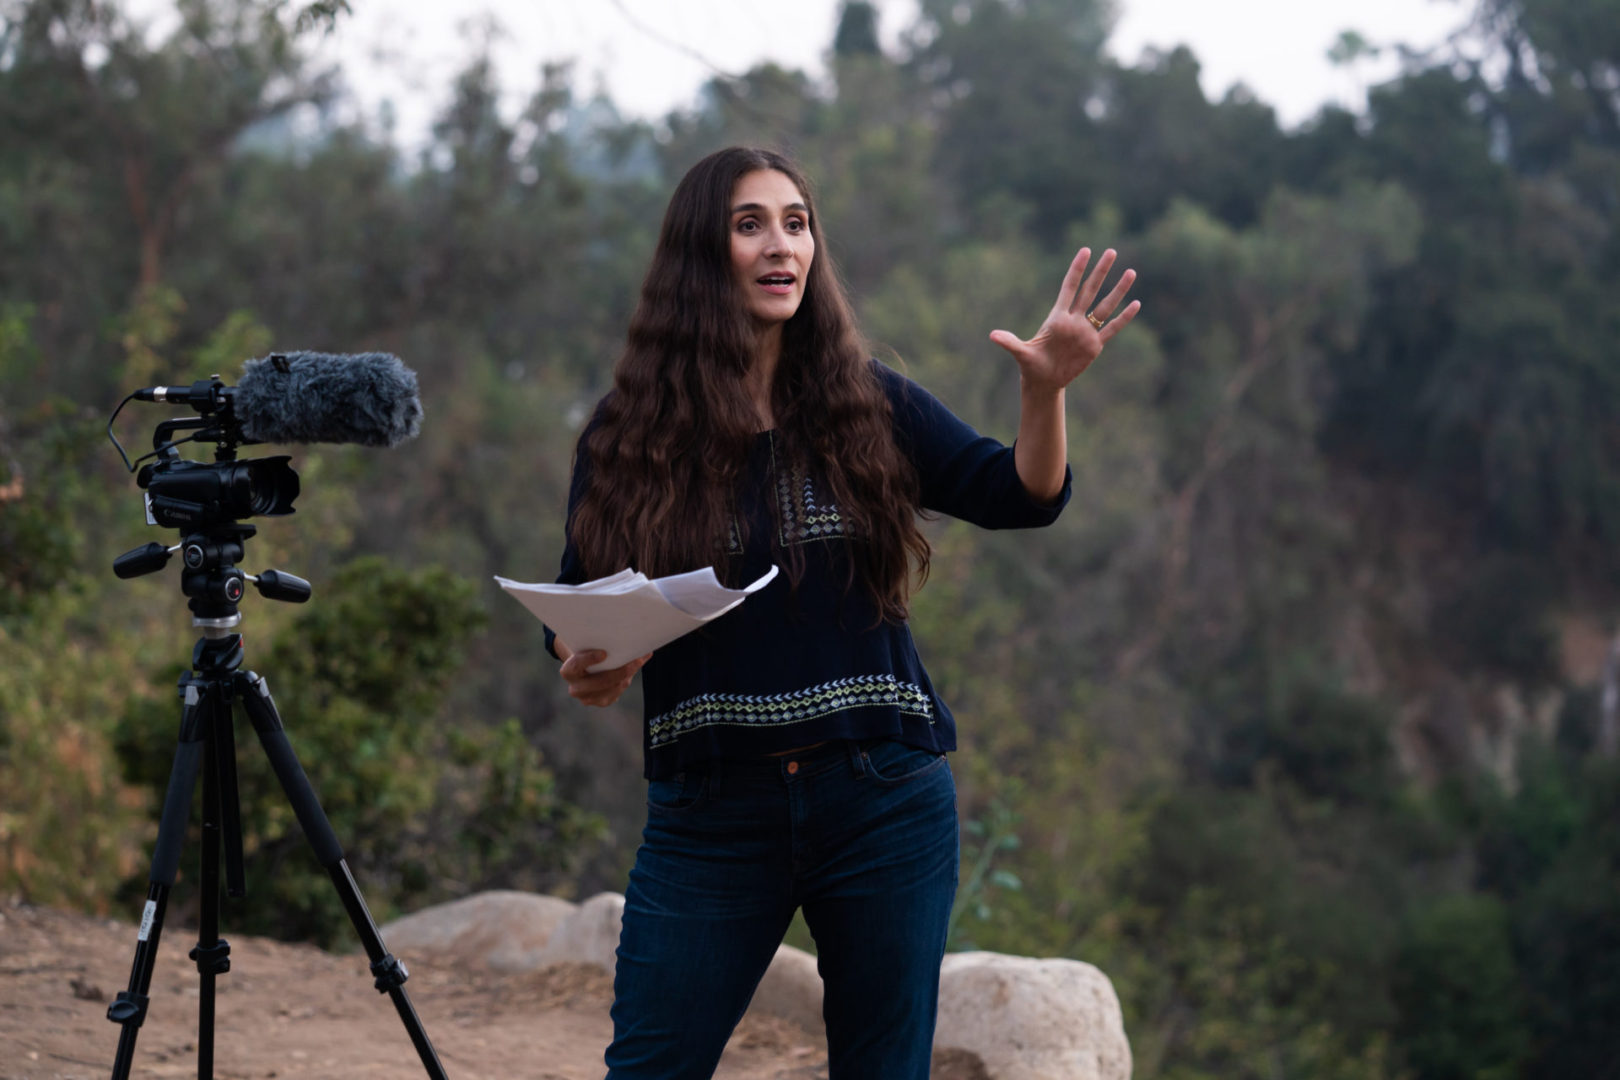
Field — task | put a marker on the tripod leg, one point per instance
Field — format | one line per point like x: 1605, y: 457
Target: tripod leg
x: 212, y: 953
x: 230, y: 800
x: 129, y: 1007
x: 389, y: 972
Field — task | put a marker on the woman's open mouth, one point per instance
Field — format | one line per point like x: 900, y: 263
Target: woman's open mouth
x: 778, y: 284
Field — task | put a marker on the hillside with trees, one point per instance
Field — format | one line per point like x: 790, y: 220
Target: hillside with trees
x: 1301, y: 722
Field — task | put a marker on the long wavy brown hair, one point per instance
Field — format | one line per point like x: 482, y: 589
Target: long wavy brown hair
x: 671, y: 441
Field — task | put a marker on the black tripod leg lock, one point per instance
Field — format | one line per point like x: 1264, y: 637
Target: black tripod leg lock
x: 128, y: 1009
x: 214, y: 959
x: 390, y: 973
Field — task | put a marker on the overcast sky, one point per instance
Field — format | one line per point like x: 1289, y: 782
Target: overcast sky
x: 653, y: 55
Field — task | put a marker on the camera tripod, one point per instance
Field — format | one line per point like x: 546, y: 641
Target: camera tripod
x: 207, y: 744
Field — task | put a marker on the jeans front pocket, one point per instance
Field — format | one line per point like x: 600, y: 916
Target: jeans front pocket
x: 679, y: 793
x: 892, y: 762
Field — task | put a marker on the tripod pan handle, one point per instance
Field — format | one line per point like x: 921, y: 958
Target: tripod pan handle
x: 280, y: 585
x: 143, y: 560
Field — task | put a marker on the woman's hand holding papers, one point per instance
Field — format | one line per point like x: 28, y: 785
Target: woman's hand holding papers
x: 624, y: 613
x: 599, y: 688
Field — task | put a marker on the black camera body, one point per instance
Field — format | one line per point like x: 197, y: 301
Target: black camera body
x: 182, y: 494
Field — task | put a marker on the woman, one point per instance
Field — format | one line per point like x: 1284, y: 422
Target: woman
x: 794, y: 747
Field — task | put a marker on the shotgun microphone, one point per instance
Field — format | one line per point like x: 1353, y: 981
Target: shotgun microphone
x: 310, y: 397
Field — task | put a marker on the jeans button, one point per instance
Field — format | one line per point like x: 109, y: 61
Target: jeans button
x: 793, y: 767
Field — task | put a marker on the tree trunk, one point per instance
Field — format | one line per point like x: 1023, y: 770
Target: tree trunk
x: 1608, y: 734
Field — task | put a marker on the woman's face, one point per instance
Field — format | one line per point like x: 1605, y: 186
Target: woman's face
x: 771, y: 245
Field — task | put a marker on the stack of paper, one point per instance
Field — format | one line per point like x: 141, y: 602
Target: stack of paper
x: 629, y: 614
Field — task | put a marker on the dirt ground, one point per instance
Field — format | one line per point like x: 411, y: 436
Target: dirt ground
x: 293, y: 1011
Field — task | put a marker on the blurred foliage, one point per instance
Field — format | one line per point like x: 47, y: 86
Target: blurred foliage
x: 71, y: 828
x: 987, y: 838
x: 1459, y: 994
x: 1284, y: 724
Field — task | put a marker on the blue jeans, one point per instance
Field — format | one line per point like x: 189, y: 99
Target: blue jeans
x: 862, y: 836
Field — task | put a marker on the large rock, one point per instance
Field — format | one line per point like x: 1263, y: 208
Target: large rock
x: 589, y: 935
x: 499, y: 928
x: 1032, y: 1019
x: 791, y: 989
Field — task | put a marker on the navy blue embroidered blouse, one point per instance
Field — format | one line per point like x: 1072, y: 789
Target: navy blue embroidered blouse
x: 786, y: 669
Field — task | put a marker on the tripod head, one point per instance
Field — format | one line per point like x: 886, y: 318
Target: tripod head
x: 211, y: 578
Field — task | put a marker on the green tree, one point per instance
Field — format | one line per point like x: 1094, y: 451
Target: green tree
x: 1460, y: 992
x: 857, y: 33
x: 1161, y: 140
x: 125, y: 135
x: 1016, y: 138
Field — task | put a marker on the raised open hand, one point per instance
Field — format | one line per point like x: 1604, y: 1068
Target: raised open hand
x: 1077, y: 328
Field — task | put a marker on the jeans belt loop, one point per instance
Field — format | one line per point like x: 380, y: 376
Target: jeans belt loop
x: 857, y: 758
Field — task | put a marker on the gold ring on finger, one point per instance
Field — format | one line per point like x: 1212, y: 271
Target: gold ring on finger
x: 1091, y: 317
